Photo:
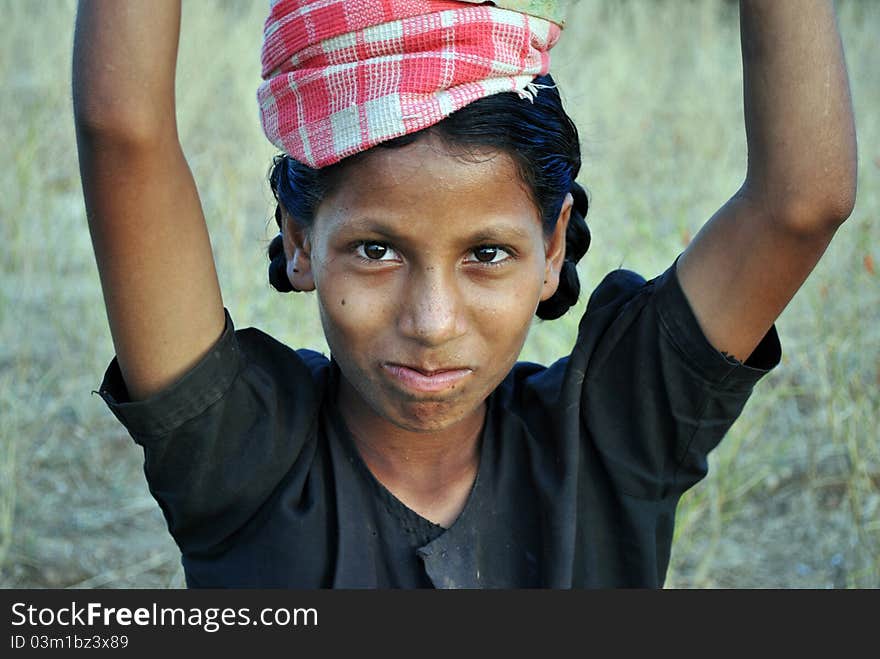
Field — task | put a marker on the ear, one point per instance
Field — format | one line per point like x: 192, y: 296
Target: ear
x: 554, y: 251
x: 297, y: 251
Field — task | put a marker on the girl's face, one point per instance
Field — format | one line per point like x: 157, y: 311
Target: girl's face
x: 428, y: 269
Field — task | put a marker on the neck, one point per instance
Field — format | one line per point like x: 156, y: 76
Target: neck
x: 431, y: 472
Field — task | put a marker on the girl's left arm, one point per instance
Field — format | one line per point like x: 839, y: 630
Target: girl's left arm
x: 750, y: 258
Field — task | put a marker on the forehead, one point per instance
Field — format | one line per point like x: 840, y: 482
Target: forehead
x: 428, y: 186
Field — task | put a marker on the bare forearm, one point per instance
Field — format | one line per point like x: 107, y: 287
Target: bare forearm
x: 124, y: 60
x: 799, y: 120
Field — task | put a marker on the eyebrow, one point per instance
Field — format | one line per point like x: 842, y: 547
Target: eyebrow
x: 500, y: 232
x: 371, y: 225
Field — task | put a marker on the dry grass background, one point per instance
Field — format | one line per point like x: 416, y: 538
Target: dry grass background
x: 793, y: 495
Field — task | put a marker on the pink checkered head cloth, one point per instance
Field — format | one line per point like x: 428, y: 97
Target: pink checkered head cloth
x: 340, y: 76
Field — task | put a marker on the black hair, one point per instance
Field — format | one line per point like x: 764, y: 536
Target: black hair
x: 539, y: 136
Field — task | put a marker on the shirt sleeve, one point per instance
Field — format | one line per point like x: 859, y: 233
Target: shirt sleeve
x: 657, y: 396
x: 220, y: 440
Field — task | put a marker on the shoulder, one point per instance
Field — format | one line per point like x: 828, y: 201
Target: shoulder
x: 245, y: 369
x: 635, y: 329
x: 642, y: 389
x: 616, y: 288
x: 274, y: 356
x: 538, y: 396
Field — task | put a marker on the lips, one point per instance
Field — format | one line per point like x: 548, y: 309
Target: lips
x: 416, y: 378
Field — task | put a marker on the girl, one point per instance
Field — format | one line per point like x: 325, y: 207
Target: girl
x: 427, y: 195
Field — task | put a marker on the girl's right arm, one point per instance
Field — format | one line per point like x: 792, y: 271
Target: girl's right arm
x: 148, y: 231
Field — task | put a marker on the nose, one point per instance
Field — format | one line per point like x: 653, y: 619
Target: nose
x: 431, y: 309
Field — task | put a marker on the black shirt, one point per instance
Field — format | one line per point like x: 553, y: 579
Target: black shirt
x: 582, y: 463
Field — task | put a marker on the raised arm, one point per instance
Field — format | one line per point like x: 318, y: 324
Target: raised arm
x: 148, y: 231
x: 751, y: 257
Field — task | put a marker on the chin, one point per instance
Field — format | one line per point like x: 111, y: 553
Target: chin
x: 430, y: 416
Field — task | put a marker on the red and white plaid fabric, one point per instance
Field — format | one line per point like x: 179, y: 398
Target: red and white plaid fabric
x: 341, y: 76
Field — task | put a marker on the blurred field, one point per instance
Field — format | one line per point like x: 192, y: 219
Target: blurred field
x: 793, y: 495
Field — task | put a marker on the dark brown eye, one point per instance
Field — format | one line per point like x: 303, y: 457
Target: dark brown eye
x: 486, y: 254
x: 374, y: 251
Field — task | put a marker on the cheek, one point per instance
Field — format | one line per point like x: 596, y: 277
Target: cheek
x: 505, y: 312
x: 519, y: 295
x: 352, y: 314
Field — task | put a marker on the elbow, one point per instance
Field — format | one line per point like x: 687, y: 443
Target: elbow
x: 109, y: 109
x: 102, y: 115
x: 812, y: 217
x: 123, y: 128
x: 839, y: 207
x: 819, y: 206
x: 822, y: 214
x: 839, y: 199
